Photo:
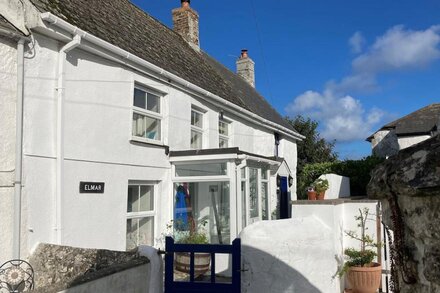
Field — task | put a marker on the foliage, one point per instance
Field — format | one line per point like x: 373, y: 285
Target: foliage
x: 313, y: 149
x: 358, y: 171
x: 360, y: 257
x: 320, y: 185
x: 194, y: 236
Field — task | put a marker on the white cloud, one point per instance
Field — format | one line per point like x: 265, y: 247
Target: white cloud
x: 356, y: 42
x: 343, y: 117
x: 400, y: 49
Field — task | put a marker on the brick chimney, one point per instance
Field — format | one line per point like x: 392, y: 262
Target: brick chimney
x: 246, y: 67
x: 186, y: 23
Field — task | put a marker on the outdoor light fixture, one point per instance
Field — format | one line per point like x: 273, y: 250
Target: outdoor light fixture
x: 221, y: 114
x: 278, y: 180
x: 290, y: 181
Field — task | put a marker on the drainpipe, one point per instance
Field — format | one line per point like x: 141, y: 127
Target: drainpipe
x: 238, y: 191
x: 18, y: 149
x: 76, y: 41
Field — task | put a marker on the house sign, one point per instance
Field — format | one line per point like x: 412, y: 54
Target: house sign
x: 91, y: 187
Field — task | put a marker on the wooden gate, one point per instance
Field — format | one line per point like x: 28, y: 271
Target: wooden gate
x: 192, y: 285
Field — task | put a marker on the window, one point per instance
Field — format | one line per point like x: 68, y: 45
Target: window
x: 264, y: 194
x: 196, y: 129
x: 223, y: 133
x: 243, y: 197
x: 146, y: 115
x: 207, y: 169
x: 140, y: 215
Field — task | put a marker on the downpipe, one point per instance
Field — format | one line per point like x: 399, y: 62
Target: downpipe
x: 76, y: 41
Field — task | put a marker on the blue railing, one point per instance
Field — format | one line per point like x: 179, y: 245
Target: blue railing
x: 172, y: 286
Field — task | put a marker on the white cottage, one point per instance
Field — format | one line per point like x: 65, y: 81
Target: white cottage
x: 112, y: 125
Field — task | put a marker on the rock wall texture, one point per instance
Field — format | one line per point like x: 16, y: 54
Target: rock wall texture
x: 57, y: 268
x: 408, y: 186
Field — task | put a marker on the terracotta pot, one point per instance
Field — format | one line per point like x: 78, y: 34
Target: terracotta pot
x: 311, y: 195
x: 201, y: 262
x: 365, y: 279
x: 320, y: 196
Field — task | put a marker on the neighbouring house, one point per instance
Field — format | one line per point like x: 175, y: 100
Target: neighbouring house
x: 406, y: 131
x: 112, y: 125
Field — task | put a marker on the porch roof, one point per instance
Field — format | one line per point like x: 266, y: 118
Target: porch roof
x: 223, y: 151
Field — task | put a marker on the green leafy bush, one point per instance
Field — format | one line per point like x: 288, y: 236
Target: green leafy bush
x: 358, y: 171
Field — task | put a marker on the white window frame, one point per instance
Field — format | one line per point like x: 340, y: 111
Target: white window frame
x: 143, y: 214
x: 267, y: 181
x: 222, y: 136
x: 199, y: 130
x: 151, y: 114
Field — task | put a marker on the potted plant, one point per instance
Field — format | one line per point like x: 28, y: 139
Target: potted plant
x: 202, y: 261
x: 311, y: 193
x: 363, y: 275
x: 320, y: 186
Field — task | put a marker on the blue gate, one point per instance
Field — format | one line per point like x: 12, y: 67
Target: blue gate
x: 172, y: 286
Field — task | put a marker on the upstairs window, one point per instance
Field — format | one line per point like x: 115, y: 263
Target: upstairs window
x: 223, y: 133
x: 147, y: 116
x: 196, y: 129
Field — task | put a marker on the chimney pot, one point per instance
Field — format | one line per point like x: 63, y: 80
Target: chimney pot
x: 244, y: 53
x: 185, y: 3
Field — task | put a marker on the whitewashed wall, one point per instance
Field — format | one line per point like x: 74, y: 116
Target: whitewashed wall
x: 339, y: 186
x: 8, y: 96
x: 405, y: 142
x: 98, y: 146
x: 302, y: 254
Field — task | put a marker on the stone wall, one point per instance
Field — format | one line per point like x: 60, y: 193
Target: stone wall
x: 61, y: 268
x: 408, y: 185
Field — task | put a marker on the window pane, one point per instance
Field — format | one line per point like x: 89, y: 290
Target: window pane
x: 140, y: 231
x: 243, y: 173
x: 264, y: 174
x: 253, y: 192
x: 196, y: 140
x: 146, y: 198
x: 146, y: 127
x: 211, y: 169
x: 153, y: 103
x: 196, y: 119
x: 264, y: 201
x: 146, y: 231
x: 133, y: 197
x: 202, y: 207
x: 222, y: 143
x: 243, y: 203
x: 223, y: 128
x: 139, y: 98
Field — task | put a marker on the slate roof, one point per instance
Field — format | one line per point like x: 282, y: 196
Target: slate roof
x: 5, y: 24
x: 422, y: 121
x: 123, y: 24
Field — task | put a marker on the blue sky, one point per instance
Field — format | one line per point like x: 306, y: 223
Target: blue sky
x: 351, y: 65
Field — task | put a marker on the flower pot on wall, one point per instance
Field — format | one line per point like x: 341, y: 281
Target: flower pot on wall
x: 320, y: 196
x: 311, y: 195
x: 365, y: 279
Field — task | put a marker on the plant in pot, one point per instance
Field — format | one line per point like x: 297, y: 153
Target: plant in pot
x: 311, y: 193
x: 202, y: 261
x: 363, y: 275
x: 320, y: 186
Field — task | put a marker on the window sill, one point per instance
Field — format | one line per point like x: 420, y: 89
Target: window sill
x: 148, y: 142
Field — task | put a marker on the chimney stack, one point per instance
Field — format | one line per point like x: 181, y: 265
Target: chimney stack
x: 186, y: 24
x: 246, y: 67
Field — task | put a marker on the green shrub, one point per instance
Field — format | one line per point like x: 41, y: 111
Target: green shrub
x: 358, y: 171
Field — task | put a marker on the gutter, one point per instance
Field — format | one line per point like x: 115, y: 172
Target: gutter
x: 16, y: 238
x: 76, y: 41
x: 168, y: 76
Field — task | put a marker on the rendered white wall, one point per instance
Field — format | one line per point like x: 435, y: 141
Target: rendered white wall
x: 405, y: 142
x: 8, y: 96
x: 132, y: 280
x: 302, y: 254
x: 339, y: 186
